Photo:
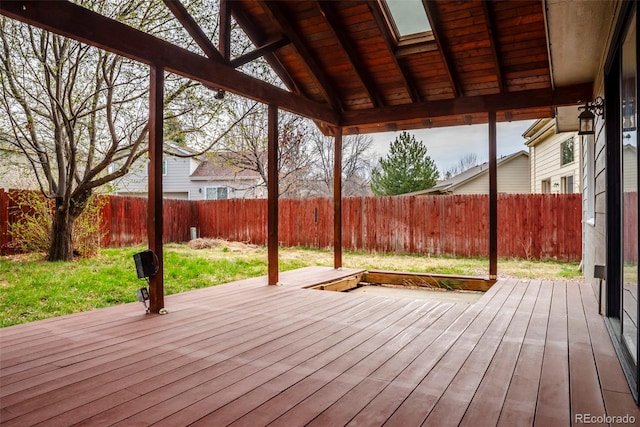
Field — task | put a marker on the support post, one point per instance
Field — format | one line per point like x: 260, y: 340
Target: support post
x: 337, y: 200
x: 154, y: 206
x: 493, y: 197
x: 272, y: 197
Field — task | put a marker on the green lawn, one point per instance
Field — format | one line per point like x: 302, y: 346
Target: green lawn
x: 32, y: 289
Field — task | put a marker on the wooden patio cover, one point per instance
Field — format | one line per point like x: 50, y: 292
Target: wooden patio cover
x: 343, y: 66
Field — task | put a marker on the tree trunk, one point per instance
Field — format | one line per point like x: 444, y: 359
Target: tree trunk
x: 61, y: 233
x: 65, y: 215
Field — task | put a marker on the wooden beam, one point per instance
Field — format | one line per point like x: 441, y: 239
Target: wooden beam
x: 224, y: 36
x: 154, y: 205
x: 341, y: 285
x: 194, y: 30
x: 443, y: 46
x: 272, y: 195
x: 337, y: 199
x: 350, y: 50
x: 76, y: 22
x: 493, y: 197
x: 224, y: 39
x: 486, y: 4
x: 390, y: 44
x: 427, y: 280
x: 267, y: 48
x: 275, y: 13
x: 561, y: 96
x: 258, y: 40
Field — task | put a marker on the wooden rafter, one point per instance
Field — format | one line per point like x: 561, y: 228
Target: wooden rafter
x: 284, y: 24
x: 76, y: 22
x: 194, y: 30
x: 349, y: 49
x: 224, y: 37
x: 569, y: 95
x: 267, y: 48
x: 443, y: 46
x: 389, y: 43
x: 259, y: 40
x: 492, y: 39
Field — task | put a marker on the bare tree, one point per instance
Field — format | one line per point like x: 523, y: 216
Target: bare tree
x: 467, y: 161
x: 245, y: 146
x: 357, y: 162
x: 306, y: 157
x: 74, y: 111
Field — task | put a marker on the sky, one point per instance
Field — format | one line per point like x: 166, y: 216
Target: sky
x: 449, y: 144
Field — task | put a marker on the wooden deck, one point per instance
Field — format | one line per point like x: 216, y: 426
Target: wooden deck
x: 527, y: 353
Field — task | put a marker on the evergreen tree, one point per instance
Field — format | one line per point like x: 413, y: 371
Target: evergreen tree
x: 406, y: 168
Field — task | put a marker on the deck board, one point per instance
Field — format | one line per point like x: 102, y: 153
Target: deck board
x: 219, y: 391
x: 586, y: 395
x: 553, y: 407
x: 248, y: 354
x: 227, y: 337
x: 428, y: 391
x: 520, y: 402
x: 488, y: 400
x: 184, y: 334
x: 452, y: 405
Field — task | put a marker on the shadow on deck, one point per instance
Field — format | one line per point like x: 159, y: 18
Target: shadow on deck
x: 527, y: 352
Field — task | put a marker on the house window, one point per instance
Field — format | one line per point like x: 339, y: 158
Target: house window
x: 216, y: 193
x: 567, y: 184
x: 546, y: 186
x: 164, y: 167
x: 566, y: 152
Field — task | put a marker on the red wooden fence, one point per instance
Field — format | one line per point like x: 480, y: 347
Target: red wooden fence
x: 535, y: 226
x: 4, y: 222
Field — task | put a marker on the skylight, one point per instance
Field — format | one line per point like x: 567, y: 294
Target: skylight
x: 409, y: 17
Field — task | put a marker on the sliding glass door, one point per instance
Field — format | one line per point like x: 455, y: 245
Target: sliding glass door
x: 628, y: 150
x: 623, y: 243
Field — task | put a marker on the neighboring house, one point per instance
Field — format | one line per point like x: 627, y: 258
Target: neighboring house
x: 513, y: 177
x: 193, y: 178
x: 15, y: 170
x: 554, y: 157
x: 216, y: 180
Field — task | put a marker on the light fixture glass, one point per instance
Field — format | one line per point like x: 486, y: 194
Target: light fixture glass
x: 586, y: 119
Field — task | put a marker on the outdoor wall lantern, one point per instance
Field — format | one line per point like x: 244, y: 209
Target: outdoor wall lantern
x: 588, y: 116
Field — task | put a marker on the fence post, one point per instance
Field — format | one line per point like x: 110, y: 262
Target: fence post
x: 4, y: 222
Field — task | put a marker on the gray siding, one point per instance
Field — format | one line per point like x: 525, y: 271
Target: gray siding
x: 594, y: 232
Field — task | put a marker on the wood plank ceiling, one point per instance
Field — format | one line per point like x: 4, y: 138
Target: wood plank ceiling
x: 482, y: 55
x: 343, y: 64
